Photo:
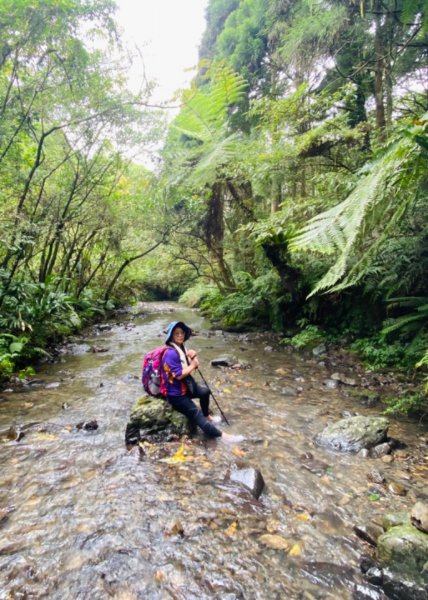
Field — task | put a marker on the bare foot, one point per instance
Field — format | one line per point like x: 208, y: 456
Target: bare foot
x: 231, y: 439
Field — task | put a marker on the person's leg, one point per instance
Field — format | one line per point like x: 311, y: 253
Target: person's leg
x: 203, y: 393
x: 187, y: 407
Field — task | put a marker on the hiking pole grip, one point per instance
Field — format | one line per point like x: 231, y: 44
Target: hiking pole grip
x: 214, y: 398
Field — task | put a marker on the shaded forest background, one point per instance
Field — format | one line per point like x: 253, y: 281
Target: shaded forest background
x: 290, y: 191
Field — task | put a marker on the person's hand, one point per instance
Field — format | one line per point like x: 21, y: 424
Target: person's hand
x: 191, y: 354
x: 195, y: 362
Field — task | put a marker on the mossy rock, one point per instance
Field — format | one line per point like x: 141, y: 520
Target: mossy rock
x: 395, y: 519
x: 404, y: 550
x: 154, y: 415
x: 354, y: 433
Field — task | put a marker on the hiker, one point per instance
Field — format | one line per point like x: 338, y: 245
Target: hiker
x: 176, y: 367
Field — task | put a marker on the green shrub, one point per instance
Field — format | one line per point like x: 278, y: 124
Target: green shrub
x: 376, y: 353
x: 255, y: 303
x: 408, y: 404
x: 308, y: 337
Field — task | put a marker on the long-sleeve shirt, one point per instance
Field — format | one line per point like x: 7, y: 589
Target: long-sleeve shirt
x: 171, y: 368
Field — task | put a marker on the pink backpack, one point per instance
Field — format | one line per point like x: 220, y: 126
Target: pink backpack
x: 151, y: 376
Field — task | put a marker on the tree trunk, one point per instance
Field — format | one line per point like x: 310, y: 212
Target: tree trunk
x: 379, y: 72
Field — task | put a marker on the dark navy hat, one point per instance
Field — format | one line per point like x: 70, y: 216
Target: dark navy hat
x: 172, y: 326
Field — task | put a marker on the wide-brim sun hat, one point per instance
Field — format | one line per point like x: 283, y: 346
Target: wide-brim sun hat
x: 169, y: 330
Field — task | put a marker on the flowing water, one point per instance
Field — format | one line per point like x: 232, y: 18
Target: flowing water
x: 83, y: 517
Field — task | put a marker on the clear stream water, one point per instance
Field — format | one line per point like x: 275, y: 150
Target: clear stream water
x: 83, y: 517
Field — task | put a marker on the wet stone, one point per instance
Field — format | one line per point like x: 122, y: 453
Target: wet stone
x: 341, y: 378
x: 381, y: 450
x: 395, y: 519
x: 354, y: 433
x: 376, y: 476
x: 396, y: 488
x: 288, y: 391
x: 375, y: 576
x: 369, y: 532
x: 318, y: 350
x: 419, y: 516
x: 249, y: 478
x: 225, y: 360
x: 331, y: 384
x: 404, y: 549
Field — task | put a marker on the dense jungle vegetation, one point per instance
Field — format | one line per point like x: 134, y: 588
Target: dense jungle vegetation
x: 290, y: 193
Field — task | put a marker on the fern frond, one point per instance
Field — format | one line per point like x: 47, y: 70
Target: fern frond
x: 379, y: 200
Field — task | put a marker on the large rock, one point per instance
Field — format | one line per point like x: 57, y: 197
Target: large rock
x: 404, y: 550
x: 354, y: 433
x: 153, y: 415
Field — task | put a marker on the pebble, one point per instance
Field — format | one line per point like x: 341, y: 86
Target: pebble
x: 396, y: 488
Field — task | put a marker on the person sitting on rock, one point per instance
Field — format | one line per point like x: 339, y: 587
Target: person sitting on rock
x: 176, y: 367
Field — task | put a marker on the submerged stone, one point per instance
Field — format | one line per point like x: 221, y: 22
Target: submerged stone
x: 354, y: 433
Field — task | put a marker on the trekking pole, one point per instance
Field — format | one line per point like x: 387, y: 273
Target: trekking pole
x: 214, y: 398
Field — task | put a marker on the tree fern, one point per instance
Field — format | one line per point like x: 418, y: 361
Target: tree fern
x: 355, y: 229
x: 205, y: 142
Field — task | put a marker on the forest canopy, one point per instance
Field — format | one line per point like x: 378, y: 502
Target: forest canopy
x: 291, y: 190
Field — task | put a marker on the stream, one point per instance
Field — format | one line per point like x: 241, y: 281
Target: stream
x: 84, y: 517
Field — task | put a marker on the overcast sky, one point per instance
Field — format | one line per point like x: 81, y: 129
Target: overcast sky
x: 168, y: 34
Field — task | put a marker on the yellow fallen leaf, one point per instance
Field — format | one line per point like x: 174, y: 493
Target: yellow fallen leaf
x: 303, y: 517
x: 226, y: 391
x: 231, y: 530
x: 177, y: 458
x: 296, y: 550
x: 238, y: 452
x: 160, y: 576
x: 43, y: 435
x: 281, y: 371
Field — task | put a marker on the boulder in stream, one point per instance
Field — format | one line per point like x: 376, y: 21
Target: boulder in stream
x: 404, y: 550
x: 354, y: 433
x: 151, y: 416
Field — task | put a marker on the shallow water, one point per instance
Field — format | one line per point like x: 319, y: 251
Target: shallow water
x: 83, y: 517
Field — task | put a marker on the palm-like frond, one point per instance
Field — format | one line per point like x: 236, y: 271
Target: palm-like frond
x: 205, y: 110
x: 355, y: 229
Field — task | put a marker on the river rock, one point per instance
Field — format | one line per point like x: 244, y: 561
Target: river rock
x: 226, y: 360
x: 153, y: 415
x: 369, y: 532
x: 342, y: 378
x: 289, y: 391
x: 404, y: 550
x: 395, y: 519
x: 419, y: 516
x: 249, y: 478
x: 320, y: 349
x: 381, y: 450
x: 354, y: 433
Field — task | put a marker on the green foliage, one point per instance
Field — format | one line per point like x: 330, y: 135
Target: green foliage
x: 308, y: 337
x: 407, y: 404
x: 195, y: 295
x: 378, y: 354
x: 411, y: 322
x: 378, y: 203
x: 11, y: 349
x: 256, y: 303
